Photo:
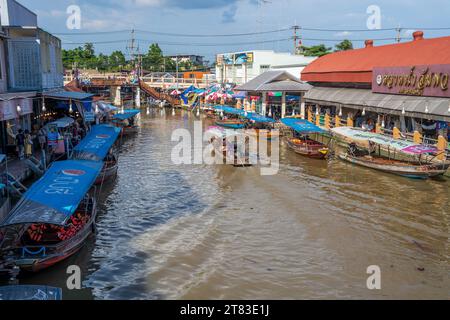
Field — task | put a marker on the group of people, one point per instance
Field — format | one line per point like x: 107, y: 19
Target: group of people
x: 25, y: 141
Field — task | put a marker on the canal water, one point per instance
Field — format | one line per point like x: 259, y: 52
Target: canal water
x: 218, y: 232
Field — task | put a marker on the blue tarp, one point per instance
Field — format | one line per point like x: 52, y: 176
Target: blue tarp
x: 183, y: 95
x: 302, y: 126
x: 96, y: 145
x: 127, y: 114
x: 259, y: 118
x: 54, y: 198
x: 230, y: 110
x: 30, y: 293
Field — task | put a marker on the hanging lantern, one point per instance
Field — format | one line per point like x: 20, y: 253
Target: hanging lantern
x: 364, y: 112
x: 270, y: 112
x: 449, y: 109
x: 19, y: 109
x: 403, y: 111
x: 198, y: 112
x: 70, y: 107
x: 340, y: 112
x: 96, y: 109
x: 293, y: 112
x: 426, y: 109
x: 44, y: 109
x: 148, y: 110
x: 173, y: 111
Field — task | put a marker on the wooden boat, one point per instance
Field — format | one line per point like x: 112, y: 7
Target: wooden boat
x: 53, y: 219
x: 303, y: 144
x: 309, y: 148
x: 267, y: 134
x: 231, y: 124
x: 230, y: 151
x: 98, y: 145
x: 109, y: 170
x: 383, y: 153
x: 126, y: 121
x: 398, y: 167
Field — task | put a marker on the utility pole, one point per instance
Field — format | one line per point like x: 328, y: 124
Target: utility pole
x: 132, y: 48
x: 399, y: 34
x: 296, y: 37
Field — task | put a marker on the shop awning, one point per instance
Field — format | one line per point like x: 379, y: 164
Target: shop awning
x: 67, y: 95
x: 438, y: 108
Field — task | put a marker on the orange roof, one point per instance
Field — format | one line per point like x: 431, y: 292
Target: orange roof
x: 357, y: 65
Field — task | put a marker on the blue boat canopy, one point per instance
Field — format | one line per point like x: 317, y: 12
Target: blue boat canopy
x: 230, y: 110
x: 259, y: 118
x: 127, y: 114
x: 55, y: 197
x: 302, y: 126
x: 96, y: 145
x: 30, y: 293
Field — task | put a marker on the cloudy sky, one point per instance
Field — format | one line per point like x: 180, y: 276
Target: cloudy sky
x: 224, y: 17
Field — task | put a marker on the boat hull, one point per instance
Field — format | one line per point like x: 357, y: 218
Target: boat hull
x: 231, y: 124
x: 314, y: 150
x: 65, y: 250
x: 399, y: 168
x: 108, y: 174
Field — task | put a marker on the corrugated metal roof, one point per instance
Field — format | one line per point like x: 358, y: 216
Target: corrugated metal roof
x: 66, y: 95
x: 438, y: 108
x: 275, y: 81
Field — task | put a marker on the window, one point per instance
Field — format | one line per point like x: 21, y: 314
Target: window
x: 264, y: 67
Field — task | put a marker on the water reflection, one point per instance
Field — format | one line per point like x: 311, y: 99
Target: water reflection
x: 213, y: 232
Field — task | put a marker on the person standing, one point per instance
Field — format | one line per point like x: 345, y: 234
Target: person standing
x: 28, y: 144
x: 20, y: 142
x: 42, y: 137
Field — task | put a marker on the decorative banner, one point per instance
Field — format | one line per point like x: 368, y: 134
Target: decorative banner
x: 427, y: 81
x: 228, y: 59
x: 243, y: 58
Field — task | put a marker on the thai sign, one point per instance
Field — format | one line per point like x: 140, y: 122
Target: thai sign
x: 426, y: 81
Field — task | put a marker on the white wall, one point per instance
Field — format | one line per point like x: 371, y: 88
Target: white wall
x: 267, y: 59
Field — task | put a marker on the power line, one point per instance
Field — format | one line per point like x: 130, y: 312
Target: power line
x: 173, y: 34
x: 180, y: 43
x: 245, y: 34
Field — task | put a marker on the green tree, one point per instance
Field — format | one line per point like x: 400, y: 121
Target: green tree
x: 316, y: 51
x: 117, y: 61
x: 344, y: 45
x: 154, y: 59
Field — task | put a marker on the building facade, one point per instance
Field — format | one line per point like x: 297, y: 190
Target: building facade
x: 242, y: 67
x: 31, y: 64
x: 400, y: 88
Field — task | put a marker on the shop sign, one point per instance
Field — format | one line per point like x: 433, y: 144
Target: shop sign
x: 426, y: 81
x: 89, y: 116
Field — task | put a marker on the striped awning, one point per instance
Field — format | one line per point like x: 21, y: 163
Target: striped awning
x: 419, y: 107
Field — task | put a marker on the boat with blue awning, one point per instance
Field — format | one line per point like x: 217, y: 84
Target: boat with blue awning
x: 30, y: 293
x: 54, y: 217
x: 230, y: 117
x: 301, y: 141
x: 98, y: 145
x: 126, y: 120
x: 262, y: 127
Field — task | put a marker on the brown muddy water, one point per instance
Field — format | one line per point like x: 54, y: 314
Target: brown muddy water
x: 219, y: 232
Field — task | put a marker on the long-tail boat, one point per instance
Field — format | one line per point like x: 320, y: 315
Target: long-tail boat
x: 98, y: 145
x: 301, y: 142
x: 232, y: 120
x: 126, y: 120
x: 53, y: 219
x: 262, y: 127
x: 395, y: 156
x: 232, y: 145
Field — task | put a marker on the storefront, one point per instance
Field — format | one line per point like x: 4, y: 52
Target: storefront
x: 401, y: 87
x: 15, y: 114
